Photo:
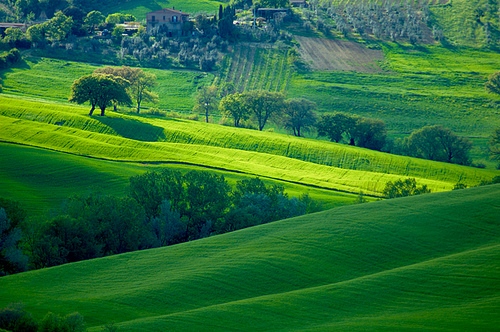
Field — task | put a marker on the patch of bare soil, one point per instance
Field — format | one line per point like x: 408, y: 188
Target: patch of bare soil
x: 341, y: 55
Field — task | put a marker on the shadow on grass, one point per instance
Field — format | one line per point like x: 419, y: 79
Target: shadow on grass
x: 133, y: 129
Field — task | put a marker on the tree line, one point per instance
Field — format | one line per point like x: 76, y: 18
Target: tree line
x: 161, y: 208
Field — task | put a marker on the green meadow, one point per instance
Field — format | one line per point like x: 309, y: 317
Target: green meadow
x: 130, y: 138
x: 421, y: 263
x: 51, y: 79
x: 140, y: 8
x: 42, y: 179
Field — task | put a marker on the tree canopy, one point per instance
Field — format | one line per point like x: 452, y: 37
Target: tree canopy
x: 100, y: 90
x: 206, y: 101
x: 299, y: 115
x: 264, y: 105
x: 233, y: 106
x: 440, y: 144
x: 139, y: 84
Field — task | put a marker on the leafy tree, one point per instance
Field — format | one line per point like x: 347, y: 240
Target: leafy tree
x: 59, y: 27
x: 119, y: 18
x: 117, y: 33
x: 152, y: 188
x: 336, y: 127
x: 36, y: 33
x: 299, y: 115
x: 139, y: 84
x: 495, y: 144
x: 369, y: 133
x: 141, y: 88
x: 233, y: 106
x: 493, y: 83
x: 93, y: 19
x: 402, y: 188
x: 168, y: 227
x: 100, y: 90
x: 70, y: 323
x: 13, y: 35
x: 263, y: 105
x: 440, y: 144
x: 118, y: 222
x: 206, y: 101
x: 12, y: 260
x: 207, y: 199
x: 15, y: 318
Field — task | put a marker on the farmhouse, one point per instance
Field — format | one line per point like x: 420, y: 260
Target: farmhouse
x: 170, y: 18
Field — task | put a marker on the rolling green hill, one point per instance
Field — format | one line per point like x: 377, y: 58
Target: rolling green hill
x: 130, y: 138
x: 42, y: 179
x: 140, y: 8
x: 424, y: 263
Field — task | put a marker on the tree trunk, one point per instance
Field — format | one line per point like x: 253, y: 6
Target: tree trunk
x: 138, y: 107
x: 92, y: 110
x: 206, y: 116
x: 102, y: 110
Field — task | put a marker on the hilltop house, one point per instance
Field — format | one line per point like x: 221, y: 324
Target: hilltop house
x: 171, y: 18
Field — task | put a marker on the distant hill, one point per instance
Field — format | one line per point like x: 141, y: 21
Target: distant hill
x: 429, y: 262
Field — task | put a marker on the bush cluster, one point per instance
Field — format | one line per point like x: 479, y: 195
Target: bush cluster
x: 162, y: 208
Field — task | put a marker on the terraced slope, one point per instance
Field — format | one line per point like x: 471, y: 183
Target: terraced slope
x: 281, y: 157
x: 428, y: 262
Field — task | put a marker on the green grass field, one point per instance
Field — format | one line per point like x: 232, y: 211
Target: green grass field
x: 42, y: 179
x: 129, y: 138
x: 423, y: 263
x: 140, y: 8
x: 51, y: 79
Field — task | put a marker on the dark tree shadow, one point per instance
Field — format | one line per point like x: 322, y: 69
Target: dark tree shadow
x: 133, y: 129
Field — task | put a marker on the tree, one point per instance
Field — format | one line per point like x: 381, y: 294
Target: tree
x: 94, y: 18
x: 336, y: 127
x: 299, y: 115
x: 369, y: 133
x: 36, y: 33
x: 233, y: 106
x: 58, y: 27
x: 207, y: 199
x: 440, y: 144
x: 12, y: 260
x: 402, y: 188
x: 13, y: 35
x: 493, y: 83
x: 495, y: 144
x: 119, y: 18
x: 263, y: 105
x: 206, y: 101
x: 100, y: 90
x: 139, y: 84
x: 141, y: 88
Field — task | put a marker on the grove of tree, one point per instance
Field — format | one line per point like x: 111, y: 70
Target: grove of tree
x: 99, y: 90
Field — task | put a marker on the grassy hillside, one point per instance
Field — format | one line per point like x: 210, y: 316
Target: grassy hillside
x: 140, y: 8
x: 52, y: 79
x: 142, y: 139
x: 428, y: 262
x: 41, y: 179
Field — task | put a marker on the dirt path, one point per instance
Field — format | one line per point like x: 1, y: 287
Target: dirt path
x: 341, y: 55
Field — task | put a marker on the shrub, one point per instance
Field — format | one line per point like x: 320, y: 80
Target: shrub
x: 15, y: 319
x: 402, y: 188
